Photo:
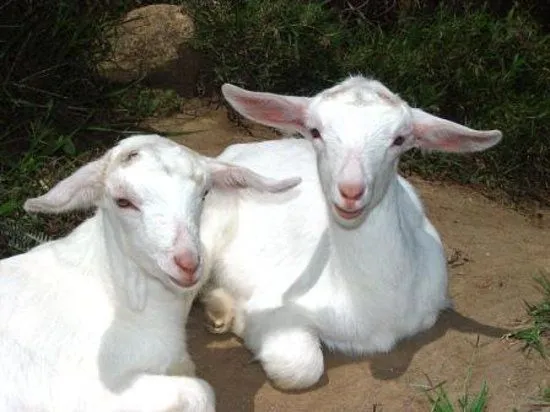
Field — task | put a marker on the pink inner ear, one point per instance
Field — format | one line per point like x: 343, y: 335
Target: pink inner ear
x: 446, y: 140
x: 435, y: 133
x: 419, y: 129
x: 448, y: 144
x: 423, y: 135
x: 281, y: 113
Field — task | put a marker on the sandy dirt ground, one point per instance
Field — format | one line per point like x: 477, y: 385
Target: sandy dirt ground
x: 494, y: 252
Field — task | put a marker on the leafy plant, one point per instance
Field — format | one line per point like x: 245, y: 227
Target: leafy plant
x: 440, y: 402
x: 277, y: 45
x: 476, y: 69
x: 535, y: 335
x: 464, y: 62
x: 473, y: 64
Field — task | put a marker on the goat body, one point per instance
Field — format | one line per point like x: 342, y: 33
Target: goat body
x: 68, y: 341
x: 95, y: 321
x: 348, y: 258
x: 291, y: 268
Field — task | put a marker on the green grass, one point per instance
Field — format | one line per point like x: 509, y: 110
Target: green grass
x: 471, y: 65
x: 141, y: 102
x: 536, y: 336
x: 56, y: 112
x: 540, y: 402
x: 50, y: 90
x: 479, y: 70
x: 483, y: 67
x: 441, y: 402
x: 36, y: 174
x: 275, y: 45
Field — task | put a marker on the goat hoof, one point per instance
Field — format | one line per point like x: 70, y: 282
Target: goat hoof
x: 218, y: 327
x: 219, y: 311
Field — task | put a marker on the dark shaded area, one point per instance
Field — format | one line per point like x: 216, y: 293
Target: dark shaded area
x: 55, y: 111
x: 394, y: 364
x: 49, y: 52
x: 236, y: 378
x: 484, y: 64
x: 481, y: 64
x: 388, y: 12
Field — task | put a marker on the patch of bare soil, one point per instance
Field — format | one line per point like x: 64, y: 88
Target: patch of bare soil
x: 493, y: 254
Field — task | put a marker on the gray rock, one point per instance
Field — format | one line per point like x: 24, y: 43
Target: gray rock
x: 153, y: 42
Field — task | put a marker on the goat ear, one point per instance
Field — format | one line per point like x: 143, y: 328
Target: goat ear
x: 81, y: 190
x: 279, y: 111
x: 434, y: 133
x: 225, y: 175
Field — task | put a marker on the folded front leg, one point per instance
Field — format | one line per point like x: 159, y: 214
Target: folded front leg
x: 287, y: 346
x: 157, y: 393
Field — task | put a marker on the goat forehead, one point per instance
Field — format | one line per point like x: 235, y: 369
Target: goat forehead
x: 150, y: 178
x: 360, y: 125
x: 156, y: 178
x: 159, y: 157
x: 361, y: 91
x: 143, y: 140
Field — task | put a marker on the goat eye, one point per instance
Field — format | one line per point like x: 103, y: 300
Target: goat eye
x: 204, y: 194
x: 315, y: 133
x: 399, y: 140
x: 131, y: 155
x: 124, y: 203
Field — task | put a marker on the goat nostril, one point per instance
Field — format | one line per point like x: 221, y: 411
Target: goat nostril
x: 186, y: 263
x: 352, y: 192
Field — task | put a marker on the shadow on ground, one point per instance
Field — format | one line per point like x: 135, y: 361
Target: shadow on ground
x: 229, y: 367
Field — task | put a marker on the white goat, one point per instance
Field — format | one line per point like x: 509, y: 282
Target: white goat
x: 348, y: 258
x: 95, y: 321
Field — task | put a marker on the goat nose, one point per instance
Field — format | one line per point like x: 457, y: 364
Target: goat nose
x: 187, y: 262
x: 352, y: 191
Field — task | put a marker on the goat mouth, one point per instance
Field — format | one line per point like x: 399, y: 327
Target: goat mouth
x: 348, y: 214
x: 183, y: 284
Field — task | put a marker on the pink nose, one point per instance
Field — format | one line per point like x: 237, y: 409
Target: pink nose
x: 351, y: 191
x: 187, y: 262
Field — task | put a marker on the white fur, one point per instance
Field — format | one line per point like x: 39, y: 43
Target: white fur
x: 95, y: 321
x: 299, y: 272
